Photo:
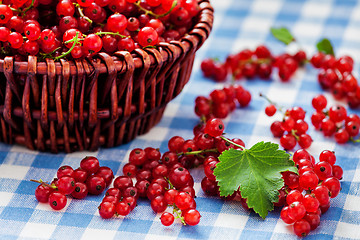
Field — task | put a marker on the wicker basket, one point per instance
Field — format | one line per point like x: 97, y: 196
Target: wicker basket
x: 86, y: 104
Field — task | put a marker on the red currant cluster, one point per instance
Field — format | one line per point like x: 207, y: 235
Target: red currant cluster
x: 221, y: 102
x: 336, y: 75
x: 160, y: 178
x: 308, y: 194
x: 89, y: 178
x: 334, y: 121
x: 293, y: 127
x: 82, y: 28
x: 249, y: 63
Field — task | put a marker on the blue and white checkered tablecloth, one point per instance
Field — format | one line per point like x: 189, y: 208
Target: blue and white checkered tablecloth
x: 238, y: 24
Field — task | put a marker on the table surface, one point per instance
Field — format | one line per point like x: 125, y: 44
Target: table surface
x: 238, y: 24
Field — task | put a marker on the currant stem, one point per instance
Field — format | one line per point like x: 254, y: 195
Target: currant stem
x: 178, y: 214
x: 355, y: 140
x: 231, y: 142
x: 82, y: 14
x: 271, y: 102
x: 148, y: 12
x: 198, y: 152
x: 29, y: 7
x: 72, y: 47
x: 43, y: 183
x: 111, y: 33
x: 171, y: 185
x: 293, y: 132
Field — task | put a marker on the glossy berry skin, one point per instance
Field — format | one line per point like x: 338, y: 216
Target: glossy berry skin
x: 65, y: 171
x: 122, y: 208
x: 323, y: 170
x: 158, y: 204
x: 288, y: 141
x: 313, y: 219
x: 183, y: 200
x: 92, y: 44
x: 328, y: 156
x: 308, y: 180
x: 15, y: 40
x: 123, y: 182
x: 337, y: 113
x: 80, y: 175
x: 106, y: 173
x: 117, y: 23
x: 322, y: 194
x: 334, y: 186
x: 80, y: 191
x: 310, y: 203
x: 179, y: 177
x: 90, y: 164
x: 66, y: 185
x: 301, y: 228
x: 270, y: 110
x: 107, y: 210
x: 167, y: 219
x: 32, y: 31
x: 57, y: 200
x: 137, y: 157
x: 296, y: 211
x: 284, y: 215
x: 319, y: 102
x: 42, y: 193
x: 5, y: 13
x: 95, y: 184
x: 148, y: 36
x: 191, y: 217
x: 214, y: 127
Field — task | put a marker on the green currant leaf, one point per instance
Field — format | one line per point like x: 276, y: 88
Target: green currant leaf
x: 325, y: 46
x: 257, y: 171
x: 282, y: 34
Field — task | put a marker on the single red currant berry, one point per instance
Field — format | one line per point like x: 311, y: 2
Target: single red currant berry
x: 42, y: 193
x: 327, y: 156
x: 323, y: 170
x: 308, y: 180
x: 90, y: 164
x: 214, y: 127
x: 333, y: 184
x: 276, y: 129
x: 122, y: 208
x: 285, y: 216
x: 301, y: 228
x: 296, y: 211
x: 167, y: 219
x: 288, y: 141
x: 107, y: 210
x: 342, y: 136
x: 337, y: 171
x: 95, y: 184
x: 80, y: 191
x: 270, y: 110
x: 137, y: 157
x: 191, y: 217
x: 66, y: 185
x: 147, y: 36
x: 319, y: 102
x: 57, y: 200
x: 65, y: 171
x: 310, y: 203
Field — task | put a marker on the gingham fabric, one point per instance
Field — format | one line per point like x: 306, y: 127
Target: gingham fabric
x: 238, y: 24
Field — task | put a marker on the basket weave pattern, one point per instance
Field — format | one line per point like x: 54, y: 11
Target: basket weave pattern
x: 106, y: 101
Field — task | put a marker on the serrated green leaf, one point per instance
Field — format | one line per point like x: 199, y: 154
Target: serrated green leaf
x: 325, y: 46
x: 282, y: 34
x: 257, y: 171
